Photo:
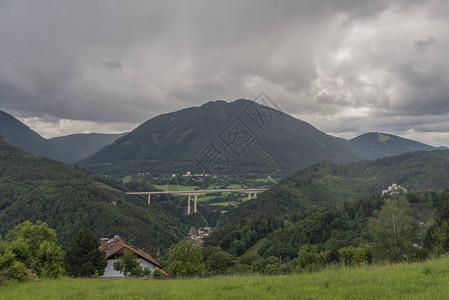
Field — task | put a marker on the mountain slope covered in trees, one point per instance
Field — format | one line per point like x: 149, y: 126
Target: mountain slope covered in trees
x: 69, y: 149
x: 376, y: 145
x: 220, y: 137
x: 328, y: 183
x: 20, y: 135
x: 67, y: 199
x: 329, y: 205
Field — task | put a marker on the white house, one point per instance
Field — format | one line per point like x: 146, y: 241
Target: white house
x: 114, y: 248
x: 394, y: 189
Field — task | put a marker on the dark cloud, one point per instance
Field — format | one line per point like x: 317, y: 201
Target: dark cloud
x: 422, y: 46
x: 345, y: 66
x: 113, y: 65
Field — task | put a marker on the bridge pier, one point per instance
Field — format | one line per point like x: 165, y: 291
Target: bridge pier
x: 255, y: 195
x: 194, y: 204
x: 149, y: 199
x: 188, y: 204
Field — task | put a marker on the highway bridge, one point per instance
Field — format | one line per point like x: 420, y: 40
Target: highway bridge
x: 195, y: 193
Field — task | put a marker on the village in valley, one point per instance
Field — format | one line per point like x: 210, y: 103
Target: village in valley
x: 198, y: 234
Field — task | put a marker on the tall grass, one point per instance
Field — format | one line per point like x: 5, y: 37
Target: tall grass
x: 426, y: 280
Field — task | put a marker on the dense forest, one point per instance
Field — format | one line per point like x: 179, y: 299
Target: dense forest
x: 330, y: 183
x: 342, y: 233
x: 329, y: 205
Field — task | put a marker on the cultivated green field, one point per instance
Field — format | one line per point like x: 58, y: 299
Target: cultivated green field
x: 428, y: 280
x: 175, y: 187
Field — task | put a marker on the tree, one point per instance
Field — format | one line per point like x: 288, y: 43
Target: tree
x: 25, y: 240
x: 84, y: 258
x: 238, y: 247
x: 437, y: 236
x: 34, y: 246
x: 51, y: 259
x: 129, y: 265
x: 392, y: 231
x: 308, y: 259
x: 220, y: 261
x: 185, y: 259
x: 10, y: 267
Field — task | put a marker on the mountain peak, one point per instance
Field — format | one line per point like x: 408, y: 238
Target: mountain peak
x: 214, y: 103
x: 253, y: 137
x: 376, y: 144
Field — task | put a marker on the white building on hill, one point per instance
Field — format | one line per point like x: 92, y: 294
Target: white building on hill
x: 394, y: 188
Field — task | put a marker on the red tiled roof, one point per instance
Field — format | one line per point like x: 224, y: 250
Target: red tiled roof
x: 117, y: 247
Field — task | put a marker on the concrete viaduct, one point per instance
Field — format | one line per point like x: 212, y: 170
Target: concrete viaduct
x: 196, y: 192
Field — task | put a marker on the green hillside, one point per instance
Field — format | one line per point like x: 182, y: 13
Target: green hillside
x: 76, y: 147
x: 328, y: 183
x: 329, y: 204
x: 237, y: 137
x: 67, y: 198
x: 376, y: 145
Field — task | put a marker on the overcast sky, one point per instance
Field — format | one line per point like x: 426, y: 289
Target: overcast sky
x: 345, y: 66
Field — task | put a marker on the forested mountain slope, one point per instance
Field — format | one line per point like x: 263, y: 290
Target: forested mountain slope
x: 329, y: 204
x: 220, y: 137
x: 69, y: 149
x: 331, y: 183
x: 20, y: 135
x: 376, y: 145
x: 67, y: 198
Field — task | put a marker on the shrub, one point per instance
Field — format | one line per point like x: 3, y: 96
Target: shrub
x: 158, y: 273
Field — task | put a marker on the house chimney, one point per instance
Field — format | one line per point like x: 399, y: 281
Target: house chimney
x: 104, y: 244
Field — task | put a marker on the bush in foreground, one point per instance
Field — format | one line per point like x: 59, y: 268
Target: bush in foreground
x: 185, y: 259
x: 30, y: 250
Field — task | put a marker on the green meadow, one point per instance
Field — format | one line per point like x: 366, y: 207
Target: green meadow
x: 426, y: 280
x: 174, y: 187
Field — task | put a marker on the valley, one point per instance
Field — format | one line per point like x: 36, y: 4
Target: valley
x: 286, y: 204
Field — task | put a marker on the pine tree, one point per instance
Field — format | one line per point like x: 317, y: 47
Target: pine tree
x: 84, y: 258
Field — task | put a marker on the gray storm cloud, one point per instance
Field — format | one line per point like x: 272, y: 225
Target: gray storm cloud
x: 347, y: 67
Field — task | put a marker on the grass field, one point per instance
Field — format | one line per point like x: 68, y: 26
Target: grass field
x: 256, y: 247
x: 226, y: 203
x: 127, y: 179
x: 428, y: 280
x: 175, y: 187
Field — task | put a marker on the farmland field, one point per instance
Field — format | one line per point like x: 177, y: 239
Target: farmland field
x: 427, y: 280
x: 174, y: 187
